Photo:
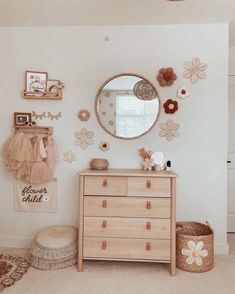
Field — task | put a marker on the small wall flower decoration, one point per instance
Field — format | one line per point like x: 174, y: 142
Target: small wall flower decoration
x: 169, y: 129
x: 84, y: 138
x: 148, y: 163
x: 182, y: 92
x: 69, y: 156
x: 195, y: 253
x: 166, y: 76
x: 104, y: 146
x: 84, y: 115
x: 195, y: 70
x: 170, y: 106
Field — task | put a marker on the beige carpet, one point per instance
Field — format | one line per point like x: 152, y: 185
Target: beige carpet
x: 127, y: 278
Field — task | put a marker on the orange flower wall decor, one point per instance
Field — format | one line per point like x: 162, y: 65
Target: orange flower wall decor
x: 166, y: 76
x: 170, y: 106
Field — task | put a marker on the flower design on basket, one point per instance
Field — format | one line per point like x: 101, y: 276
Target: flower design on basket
x: 195, y: 253
x: 104, y: 145
x: 195, y: 70
x: 182, y: 92
x: 166, y: 76
x: 84, y: 115
x: 170, y: 106
x: 84, y: 138
x: 69, y: 156
x: 148, y: 163
x: 169, y: 129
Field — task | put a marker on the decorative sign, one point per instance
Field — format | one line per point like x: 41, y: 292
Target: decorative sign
x: 35, y: 198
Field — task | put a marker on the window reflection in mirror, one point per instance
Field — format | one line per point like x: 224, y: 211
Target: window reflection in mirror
x: 125, y: 113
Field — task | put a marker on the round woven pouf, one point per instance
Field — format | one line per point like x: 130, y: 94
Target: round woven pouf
x: 54, y: 248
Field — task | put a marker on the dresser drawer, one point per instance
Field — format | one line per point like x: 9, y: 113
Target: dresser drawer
x: 101, y: 185
x: 149, y: 187
x: 127, y: 207
x: 122, y: 248
x: 127, y: 227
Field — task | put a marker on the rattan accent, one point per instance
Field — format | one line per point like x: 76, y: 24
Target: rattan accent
x: 97, y: 104
x: 99, y: 163
x: 196, y: 232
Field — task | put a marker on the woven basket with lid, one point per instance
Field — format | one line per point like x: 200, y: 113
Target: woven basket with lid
x: 194, y: 246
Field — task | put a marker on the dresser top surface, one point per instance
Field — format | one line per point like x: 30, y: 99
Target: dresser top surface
x: 128, y: 172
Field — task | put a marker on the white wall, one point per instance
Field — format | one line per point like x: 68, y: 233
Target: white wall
x: 82, y: 59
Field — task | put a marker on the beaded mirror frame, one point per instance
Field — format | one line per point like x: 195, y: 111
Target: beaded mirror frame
x: 158, y: 109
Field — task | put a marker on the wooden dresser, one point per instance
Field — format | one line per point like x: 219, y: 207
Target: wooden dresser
x: 127, y: 214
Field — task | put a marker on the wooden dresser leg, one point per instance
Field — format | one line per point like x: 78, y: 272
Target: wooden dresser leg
x: 80, y: 264
x: 172, y: 268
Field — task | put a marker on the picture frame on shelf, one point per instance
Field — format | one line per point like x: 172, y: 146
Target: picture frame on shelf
x: 22, y: 118
x: 35, y: 82
x: 53, y: 87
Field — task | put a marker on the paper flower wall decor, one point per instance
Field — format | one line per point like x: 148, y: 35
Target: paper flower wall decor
x: 195, y: 70
x: 166, y: 76
x: 148, y: 163
x: 169, y: 129
x: 104, y: 146
x: 84, y: 138
x: 170, y: 106
x: 195, y: 253
x: 69, y: 156
x: 84, y: 115
x: 182, y: 92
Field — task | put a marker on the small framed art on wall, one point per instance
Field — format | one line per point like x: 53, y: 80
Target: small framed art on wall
x: 22, y: 118
x: 35, y: 82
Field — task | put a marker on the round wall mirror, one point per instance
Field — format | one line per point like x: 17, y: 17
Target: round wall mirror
x: 127, y: 106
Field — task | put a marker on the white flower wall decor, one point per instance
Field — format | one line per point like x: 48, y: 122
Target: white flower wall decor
x: 104, y: 145
x: 195, y: 253
x: 182, y: 92
x: 169, y: 129
x: 194, y: 70
x: 69, y: 156
x: 84, y: 138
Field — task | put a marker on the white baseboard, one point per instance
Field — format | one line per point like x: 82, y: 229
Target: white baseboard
x: 19, y: 242
x: 15, y: 242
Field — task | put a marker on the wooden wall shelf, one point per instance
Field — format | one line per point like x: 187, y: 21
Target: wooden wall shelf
x: 34, y: 130
x: 43, y: 96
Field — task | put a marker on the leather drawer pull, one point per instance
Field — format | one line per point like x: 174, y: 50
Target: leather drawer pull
x: 105, y: 183
x: 104, y: 224
x: 148, y: 184
x: 104, y: 203
x: 148, y: 226
x: 148, y: 246
x: 148, y: 205
x: 104, y: 245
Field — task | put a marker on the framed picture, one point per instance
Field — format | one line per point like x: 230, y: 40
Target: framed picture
x: 22, y: 118
x: 52, y: 86
x: 35, y: 82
